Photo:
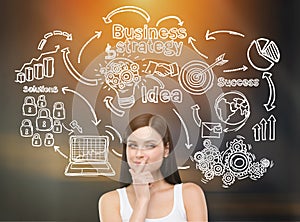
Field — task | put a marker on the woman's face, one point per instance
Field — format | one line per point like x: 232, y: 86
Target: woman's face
x: 145, y: 146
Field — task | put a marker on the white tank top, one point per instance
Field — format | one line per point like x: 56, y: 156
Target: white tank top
x: 177, y: 213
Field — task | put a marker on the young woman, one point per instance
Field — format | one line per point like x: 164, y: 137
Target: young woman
x: 153, y: 191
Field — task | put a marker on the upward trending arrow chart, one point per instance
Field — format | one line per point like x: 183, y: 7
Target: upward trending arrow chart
x: 95, y: 120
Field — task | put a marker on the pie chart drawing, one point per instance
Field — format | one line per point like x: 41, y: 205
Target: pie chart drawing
x: 262, y: 54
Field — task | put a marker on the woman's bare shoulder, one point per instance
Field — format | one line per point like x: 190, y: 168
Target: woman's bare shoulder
x: 111, y: 197
x: 190, y: 190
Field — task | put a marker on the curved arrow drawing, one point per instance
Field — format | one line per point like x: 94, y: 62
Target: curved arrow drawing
x: 272, y: 96
x: 243, y: 68
x: 49, y: 34
x: 74, y: 72
x: 135, y: 9
x: 187, y: 144
x: 116, y: 131
x: 190, y: 41
x: 69, y: 130
x: 97, y: 35
x: 56, y: 149
x: 108, y: 103
x: 208, y: 35
x: 180, y: 22
x: 95, y: 120
x: 196, y: 116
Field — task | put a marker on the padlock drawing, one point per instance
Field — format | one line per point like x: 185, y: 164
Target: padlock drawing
x: 36, y: 140
x: 44, y: 121
x: 29, y: 107
x: 26, y: 129
x: 59, y: 111
x: 49, y: 139
x: 57, y: 127
x: 41, y: 102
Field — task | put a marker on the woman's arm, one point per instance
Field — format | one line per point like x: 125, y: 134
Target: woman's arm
x: 109, y: 207
x: 194, y: 202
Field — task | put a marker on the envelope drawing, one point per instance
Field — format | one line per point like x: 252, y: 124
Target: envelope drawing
x: 211, y: 130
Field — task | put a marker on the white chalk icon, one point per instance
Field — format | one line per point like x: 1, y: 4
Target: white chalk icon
x: 29, y: 107
x: 97, y: 35
x: 95, y: 119
x: 59, y: 111
x: 180, y: 22
x: 38, y: 68
x: 151, y: 76
x: 196, y: 116
x: 108, y: 103
x: 74, y: 125
x: 234, y: 163
x: 74, y: 72
x: 48, y: 140
x: 191, y: 41
x: 122, y: 75
x: 243, y: 68
x: 50, y: 34
x: 153, y: 95
x: 57, y: 126
x: 233, y: 109
x: 264, y: 128
x: 44, y: 121
x: 209, y: 35
x: 89, y: 156
x: 26, y: 129
x: 211, y: 130
x: 134, y: 9
x: 36, y: 140
x: 111, y: 53
x: 272, y: 94
x: 188, y: 145
x: 262, y: 54
x: 162, y: 69
x: 196, y: 77
x: 41, y: 102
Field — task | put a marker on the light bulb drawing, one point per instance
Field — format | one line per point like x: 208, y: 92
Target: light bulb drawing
x: 122, y: 75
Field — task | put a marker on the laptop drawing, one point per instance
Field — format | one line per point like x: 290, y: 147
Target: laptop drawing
x: 89, y: 156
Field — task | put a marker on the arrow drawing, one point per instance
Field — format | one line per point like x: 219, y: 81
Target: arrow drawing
x: 116, y: 131
x: 256, y: 132
x: 243, y: 68
x: 180, y: 22
x: 191, y: 41
x: 56, y: 149
x: 74, y: 72
x: 69, y: 130
x: 263, y: 126
x: 49, y: 34
x: 135, y: 9
x: 97, y: 35
x: 218, y: 62
x: 39, y: 58
x: 272, y: 122
x: 272, y: 96
x: 95, y: 119
x: 196, y: 116
x: 108, y: 103
x: 208, y: 35
x: 187, y: 144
